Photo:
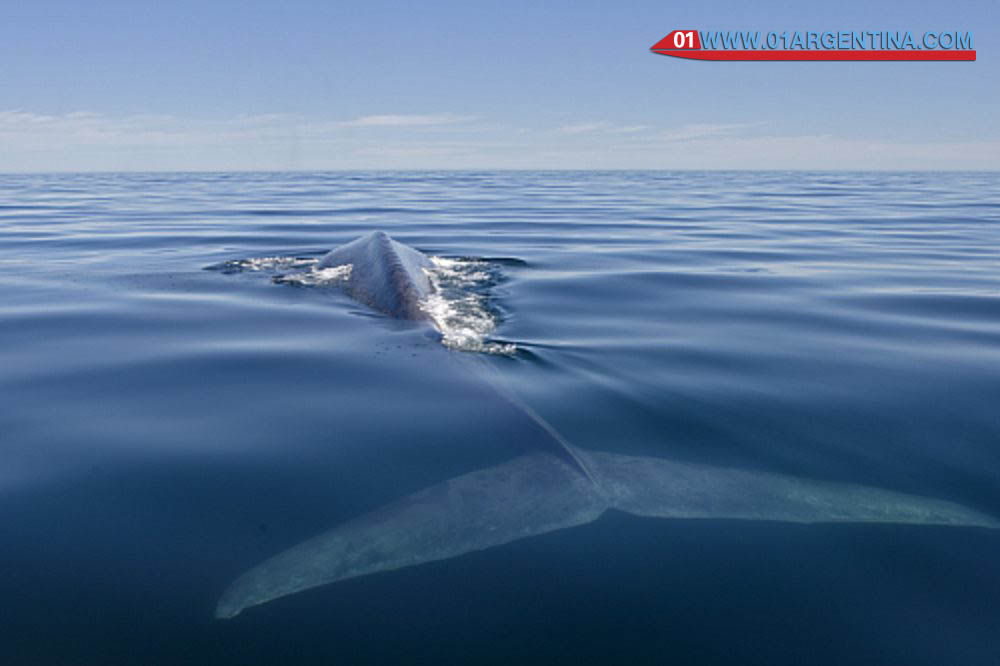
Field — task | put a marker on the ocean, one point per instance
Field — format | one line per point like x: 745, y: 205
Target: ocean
x: 185, y: 393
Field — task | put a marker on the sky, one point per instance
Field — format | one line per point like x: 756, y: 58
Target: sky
x: 542, y: 84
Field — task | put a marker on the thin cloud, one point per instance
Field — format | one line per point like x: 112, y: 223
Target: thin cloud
x: 80, y: 123
x: 682, y: 133
x: 581, y: 128
x: 24, y: 130
x: 89, y: 141
x: 407, y: 120
x: 704, y: 130
x: 601, y: 127
x: 628, y: 129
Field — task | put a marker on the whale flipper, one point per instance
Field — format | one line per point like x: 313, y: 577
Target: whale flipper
x: 539, y: 493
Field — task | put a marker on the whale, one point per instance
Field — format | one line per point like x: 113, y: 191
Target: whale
x: 553, y: 486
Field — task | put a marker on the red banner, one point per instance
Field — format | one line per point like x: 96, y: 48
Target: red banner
x: 687, y: 44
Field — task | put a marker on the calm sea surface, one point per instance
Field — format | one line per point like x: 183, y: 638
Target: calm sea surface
x: 164, y: 427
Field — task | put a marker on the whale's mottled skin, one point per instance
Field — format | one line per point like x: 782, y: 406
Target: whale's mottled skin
x: 556, y: 487
x: 385, y: 275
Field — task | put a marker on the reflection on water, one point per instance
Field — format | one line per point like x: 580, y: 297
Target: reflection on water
x: 165, y: 427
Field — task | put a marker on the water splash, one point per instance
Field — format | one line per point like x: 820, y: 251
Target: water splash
x: 256, y: 264
x: 460, y: 305
x: 317, y: 277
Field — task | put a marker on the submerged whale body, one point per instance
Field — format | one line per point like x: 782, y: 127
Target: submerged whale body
x: 556, y: 487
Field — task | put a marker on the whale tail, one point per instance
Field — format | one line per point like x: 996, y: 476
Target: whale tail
x: 539, y: 493
x: 669, y: 489
x: 529, y: 495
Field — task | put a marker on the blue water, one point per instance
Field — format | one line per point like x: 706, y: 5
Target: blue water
x: 165, y: 427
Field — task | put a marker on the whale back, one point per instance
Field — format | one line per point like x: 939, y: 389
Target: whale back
x: 385, y: 275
